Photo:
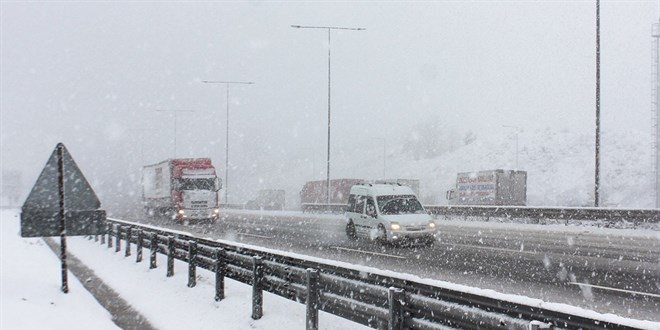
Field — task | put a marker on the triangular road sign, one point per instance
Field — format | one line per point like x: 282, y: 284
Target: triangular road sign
x: 40, y: 214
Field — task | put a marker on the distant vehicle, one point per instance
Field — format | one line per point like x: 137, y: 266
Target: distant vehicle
x: 313, y: 195
x: 185, y: 189
x: 388, y: 213
x: 267, y: 199
x: 494, y: 187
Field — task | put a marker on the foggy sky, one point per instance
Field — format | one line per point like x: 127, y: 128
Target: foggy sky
x: 92, y: 74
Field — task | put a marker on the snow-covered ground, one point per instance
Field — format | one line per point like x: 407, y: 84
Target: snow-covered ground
x: 31, y: 296
x: 30, y: 286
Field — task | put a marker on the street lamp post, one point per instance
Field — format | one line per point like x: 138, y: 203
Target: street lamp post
x: 517, y: 132
x: 384, y: 141
x: 597, y: 170
x: 141, y: 131
x: 227, y: 83
x: 175, y: 112
x: 656, y: 105
x: 329, y: 28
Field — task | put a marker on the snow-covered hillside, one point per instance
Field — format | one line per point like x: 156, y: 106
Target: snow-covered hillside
x: 560, y: 165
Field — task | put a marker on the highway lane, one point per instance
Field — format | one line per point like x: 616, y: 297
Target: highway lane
x: 608, y: 271
x: 581, y: 242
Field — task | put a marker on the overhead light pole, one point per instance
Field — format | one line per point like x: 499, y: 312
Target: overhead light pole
x: 227, y: 83
x: 656, y: 108
x: 175, y: 112
x: 597, y: 170
x: 329, y: 28
x: 384, y: 146
x: 517, y: 131
x: 141, y: 132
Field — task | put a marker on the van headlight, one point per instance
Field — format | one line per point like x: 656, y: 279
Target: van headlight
x: 395, y: 226
x: 432, y: 225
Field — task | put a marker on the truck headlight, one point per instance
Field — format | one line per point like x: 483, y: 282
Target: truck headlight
x: 395, y: 226
x: 432, y: 225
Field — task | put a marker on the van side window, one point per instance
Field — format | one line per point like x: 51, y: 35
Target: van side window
x: 359, y: 204
x: 351, y: 203
x: 371, y: 207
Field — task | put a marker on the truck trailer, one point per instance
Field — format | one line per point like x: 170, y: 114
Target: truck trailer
x: 494, y: 187
x: 313, y: 196
x: 183, y: 189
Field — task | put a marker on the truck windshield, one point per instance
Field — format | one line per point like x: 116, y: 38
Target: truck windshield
x: 401, y: 204
x: 196, y: 184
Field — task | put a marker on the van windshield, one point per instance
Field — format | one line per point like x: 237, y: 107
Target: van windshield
x: 399, y: 204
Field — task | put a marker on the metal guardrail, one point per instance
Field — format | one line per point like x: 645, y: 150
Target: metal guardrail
x: 636, y: 216
x: 232, y: 206
x: 556, y: 213
x: 374, y: 300
x: 323, y: 208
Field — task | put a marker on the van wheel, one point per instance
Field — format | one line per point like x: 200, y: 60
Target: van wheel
x: 350, y: 231
x: 381, y: 234
x: 430, y: 242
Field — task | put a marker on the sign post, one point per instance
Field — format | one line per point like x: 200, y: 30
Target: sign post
x: 60, y: 181
x: 62, y: 203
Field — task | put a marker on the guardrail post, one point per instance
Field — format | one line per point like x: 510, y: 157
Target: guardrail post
x: 219, y: 274
x: 154, y: 250
x: 257, y: 293
x: 128, y: 242
x: 396, y: 299
x: 192, y: 264
x: 118, y: 239
x: 170, y: 256
x: 312, y: 299
x: 138, y: 246
x: 105, y: 231
x: 110, y: 229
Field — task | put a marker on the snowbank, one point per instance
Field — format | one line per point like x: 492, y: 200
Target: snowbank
x: 31, y: 296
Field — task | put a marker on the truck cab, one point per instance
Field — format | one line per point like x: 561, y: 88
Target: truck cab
x: 388, y: 213
x: 196, y: 196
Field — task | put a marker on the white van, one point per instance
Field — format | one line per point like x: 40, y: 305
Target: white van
x: 388, y: 213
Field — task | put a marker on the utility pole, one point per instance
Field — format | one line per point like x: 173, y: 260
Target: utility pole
x: 175, y: 112
x: 384, y: 153
x: 517, y: 132
x: 597, y: 178
x: 329, y: 28
x: 227, y: 83
x: 656, y: 108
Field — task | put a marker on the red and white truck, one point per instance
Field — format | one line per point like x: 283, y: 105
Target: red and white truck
x: 185, y: 189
